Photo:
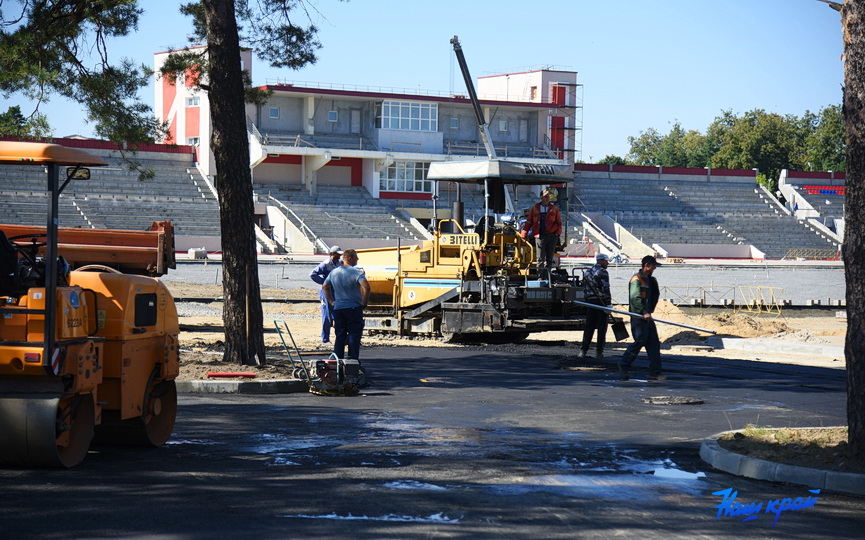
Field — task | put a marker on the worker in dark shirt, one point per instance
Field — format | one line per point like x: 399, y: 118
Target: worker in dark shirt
x: 597, y: 291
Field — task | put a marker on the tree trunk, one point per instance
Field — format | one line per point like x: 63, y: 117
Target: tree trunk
x: 242, y: 314
x: 853, y: 17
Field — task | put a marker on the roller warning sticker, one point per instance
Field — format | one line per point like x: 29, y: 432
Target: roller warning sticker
x: 57, y: 361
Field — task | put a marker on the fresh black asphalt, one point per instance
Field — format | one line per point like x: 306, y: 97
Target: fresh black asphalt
x: 452, y: 442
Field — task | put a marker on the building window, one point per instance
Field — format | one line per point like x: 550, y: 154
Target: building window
x: 193, y: 141
x: 274, y: 112
x: 406, y: 176
x: 332, y: 116
x: 533, y: 93
x: 193, y: 101
x: 455, y: 123
x: 503, y: 125
x: 408, y: 116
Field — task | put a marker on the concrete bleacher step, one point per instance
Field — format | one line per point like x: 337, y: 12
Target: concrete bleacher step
x: 339, y: 211
x: 115, y: 197
x: 727, y: 211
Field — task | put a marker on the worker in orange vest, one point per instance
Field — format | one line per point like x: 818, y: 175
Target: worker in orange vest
x: 545, y: 223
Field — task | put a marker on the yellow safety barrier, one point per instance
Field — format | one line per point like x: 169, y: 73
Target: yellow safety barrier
x: 759, y: 299
x: 754, y: 299
x: 813, y: 254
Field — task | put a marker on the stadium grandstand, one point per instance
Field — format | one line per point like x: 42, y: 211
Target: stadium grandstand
x: 695, y: 213
x: 673, y: 212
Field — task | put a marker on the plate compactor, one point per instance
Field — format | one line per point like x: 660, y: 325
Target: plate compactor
x: 326, y: 377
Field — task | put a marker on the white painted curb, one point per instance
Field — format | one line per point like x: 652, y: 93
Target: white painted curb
x: 760, y: 469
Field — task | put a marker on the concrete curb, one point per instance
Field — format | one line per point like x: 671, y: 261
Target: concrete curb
x: 760, y: 469
x: 268, y: 386
x: 774, y: 345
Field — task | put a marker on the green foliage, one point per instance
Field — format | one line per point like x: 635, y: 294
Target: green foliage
x: 613, y: 160
x: 646, y: 148
x: 755, y: 140
x: 673, y: 148
x: 195, y: 10
x: 252, y: 94
x: 194, y: 63
x: 184, y: 63
x: 765, y: 141
x: 59, y: 47
x: 111, y: 99
x: 13, y: 123
x: 678, y: 148
x: 825, y: 148
x: 767, y: 183
x: 272, y: 32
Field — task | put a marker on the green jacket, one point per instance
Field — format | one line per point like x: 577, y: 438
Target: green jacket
x: 643, y: 293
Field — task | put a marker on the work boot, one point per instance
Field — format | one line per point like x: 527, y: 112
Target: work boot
x: 581, y: 354
x: 599, y: 355
x: 625, y: 363
x: 623, y: 374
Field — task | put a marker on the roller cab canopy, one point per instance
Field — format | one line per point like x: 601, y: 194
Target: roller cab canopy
x: 510, y: 172
x: 28, y: 153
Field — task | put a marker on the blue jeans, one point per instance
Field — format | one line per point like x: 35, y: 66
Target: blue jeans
x: 348, y: 324
x: 326, y: 318
x: 645, y: 335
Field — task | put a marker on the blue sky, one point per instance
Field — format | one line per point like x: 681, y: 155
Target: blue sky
x: 643, y: 63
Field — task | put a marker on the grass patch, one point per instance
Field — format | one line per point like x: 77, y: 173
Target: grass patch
x: 820, y: 448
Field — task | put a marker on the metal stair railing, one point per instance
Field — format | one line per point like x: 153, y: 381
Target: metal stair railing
x: 299, y: 223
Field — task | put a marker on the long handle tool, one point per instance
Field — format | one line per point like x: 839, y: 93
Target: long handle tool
x: 638, y: 316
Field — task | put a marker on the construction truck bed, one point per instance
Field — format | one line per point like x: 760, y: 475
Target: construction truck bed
x: 148, y: 252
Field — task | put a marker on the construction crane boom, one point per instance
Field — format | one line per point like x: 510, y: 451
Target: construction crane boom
x: 479, y: 114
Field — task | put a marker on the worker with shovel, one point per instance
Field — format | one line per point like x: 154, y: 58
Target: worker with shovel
x: 597, y: 290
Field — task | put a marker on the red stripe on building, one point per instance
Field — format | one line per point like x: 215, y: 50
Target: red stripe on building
x: 557, y: 134
x: 284, y: 159
x: 635, y: 169
x: 684, y: 170
x: 356, y: 165
x: 410, y: 195
x: 598, y: 167
x: 169, y: 92
x: 193, y: 117
x: 809, y: 174
x: 734, y: 172
x: 104, y: 145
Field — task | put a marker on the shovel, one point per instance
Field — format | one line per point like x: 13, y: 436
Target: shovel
x: 619, y: 329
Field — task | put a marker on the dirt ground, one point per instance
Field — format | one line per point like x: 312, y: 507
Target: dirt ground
x: 202, y: 337
x: 821, y: 448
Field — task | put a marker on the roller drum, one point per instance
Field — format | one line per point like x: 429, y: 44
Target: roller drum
x: 152, y: 428
x: 45, y: 430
